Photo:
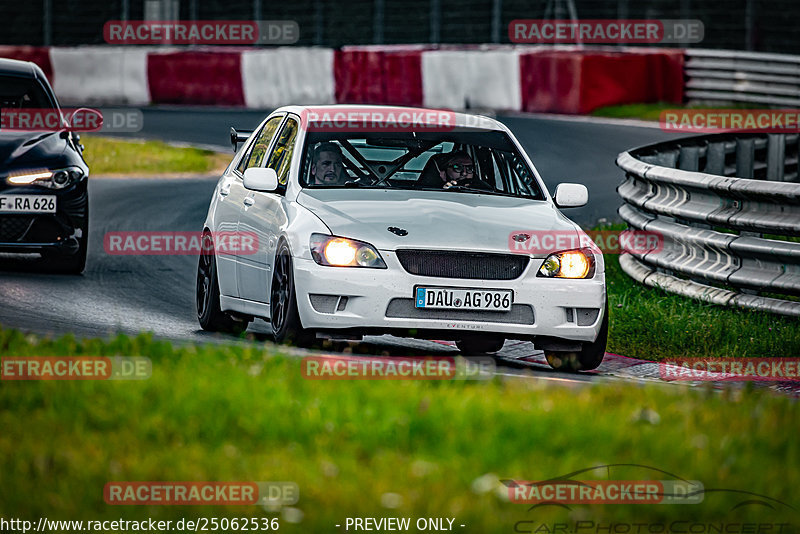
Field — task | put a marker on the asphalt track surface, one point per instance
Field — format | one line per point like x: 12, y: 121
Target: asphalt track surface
x: 132, y: 294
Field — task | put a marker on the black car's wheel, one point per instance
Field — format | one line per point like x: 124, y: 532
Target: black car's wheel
x: 286, y: 325
x: 589, y: 357
x: 477, y: 344
x: 209, y: 313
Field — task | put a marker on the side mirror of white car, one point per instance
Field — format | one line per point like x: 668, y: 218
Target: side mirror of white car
x: 261, y: 179
x: 571, y: 195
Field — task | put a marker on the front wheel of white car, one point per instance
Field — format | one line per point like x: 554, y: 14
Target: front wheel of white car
x: 285, y: 319
x: 209, y: 313
x: 589, y: 357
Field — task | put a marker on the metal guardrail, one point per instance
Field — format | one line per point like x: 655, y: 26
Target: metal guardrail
x: 751, y: 77
x: 727, y: 207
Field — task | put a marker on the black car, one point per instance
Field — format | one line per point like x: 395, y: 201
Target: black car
x: 44, y: 203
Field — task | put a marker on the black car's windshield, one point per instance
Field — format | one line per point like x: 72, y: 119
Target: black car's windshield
x: 23, y: 102
x: 485, y: 162
x: 22, y: 93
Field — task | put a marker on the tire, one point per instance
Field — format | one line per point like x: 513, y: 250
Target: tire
x: 284, y: 317
x: 480, y: 344
x: 209, y: 313
x: 589, y: 357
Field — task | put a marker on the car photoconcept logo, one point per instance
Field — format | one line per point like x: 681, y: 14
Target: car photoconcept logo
x: 398, y: 231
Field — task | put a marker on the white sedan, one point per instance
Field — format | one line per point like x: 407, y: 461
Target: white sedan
x: 365, y: 220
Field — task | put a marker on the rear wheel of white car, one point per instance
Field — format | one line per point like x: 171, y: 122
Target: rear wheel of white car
x: 589, y: 357
x: 478, y: 344
x: 286, y: 325
x: 209, y: 313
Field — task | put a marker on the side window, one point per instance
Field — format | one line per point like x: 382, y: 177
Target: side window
x: 258, y: 150
x: 281, y: 157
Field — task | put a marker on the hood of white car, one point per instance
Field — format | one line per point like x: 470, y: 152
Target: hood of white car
x: 432, y: 219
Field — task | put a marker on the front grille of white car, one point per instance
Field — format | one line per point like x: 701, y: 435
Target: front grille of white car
x: 466, y: 265
x: 402, y: 308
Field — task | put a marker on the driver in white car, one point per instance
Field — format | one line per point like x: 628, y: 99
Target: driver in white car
x: 459, y: 169
x: 326, y: 165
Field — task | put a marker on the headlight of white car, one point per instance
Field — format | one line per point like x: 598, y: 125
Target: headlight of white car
x: 343, y: 252
x: 53, y: 179
x: 578, y: 263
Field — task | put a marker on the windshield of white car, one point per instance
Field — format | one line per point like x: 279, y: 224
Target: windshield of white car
x: 485, y: 162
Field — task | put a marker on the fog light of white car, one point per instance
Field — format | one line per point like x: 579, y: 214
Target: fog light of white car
x: 568, y: 264
x: 344, y: 252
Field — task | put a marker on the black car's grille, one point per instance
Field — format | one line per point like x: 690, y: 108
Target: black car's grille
x: 13, y: 227
x: 467, y: 265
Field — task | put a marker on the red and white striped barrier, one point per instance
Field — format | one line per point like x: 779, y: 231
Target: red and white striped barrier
x: 535, y: 78
x: 100, y: 75
x: 458, y: 79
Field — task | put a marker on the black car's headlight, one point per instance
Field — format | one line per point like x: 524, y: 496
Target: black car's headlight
x: 52, y: 179
x: 343, y: 252
x: 578, y: 263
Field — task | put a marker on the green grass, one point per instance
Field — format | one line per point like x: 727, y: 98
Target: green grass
x: 231, y: 413
x: 652, y: 112
x: 106, y: 156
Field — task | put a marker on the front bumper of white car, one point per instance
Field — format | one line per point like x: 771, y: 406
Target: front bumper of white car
x: 382, y: 300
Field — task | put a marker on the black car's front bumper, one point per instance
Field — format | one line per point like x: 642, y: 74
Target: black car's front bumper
x: 59, y: 232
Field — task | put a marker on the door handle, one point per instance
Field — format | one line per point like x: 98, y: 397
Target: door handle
x: 224, y: 190
x: 249, y: 201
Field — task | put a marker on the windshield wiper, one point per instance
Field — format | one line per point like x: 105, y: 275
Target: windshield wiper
x: 468, y: 188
